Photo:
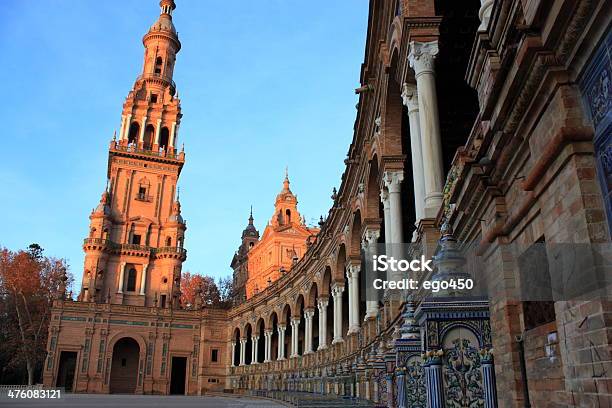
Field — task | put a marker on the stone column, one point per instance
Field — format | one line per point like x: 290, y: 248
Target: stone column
x: 281, y: 342
x: 143, y: 279
x: 157, y: 131
x: 370, y: 241
x: 353, y: 280
x: 400, y: 373
x: 121, y: 275
x: 122, y: 128
x: 485, y: 14
x: 411, y: 101
x: 126, y: 128
x: 434, y: 382
x: 268, y: 353
x: 322, y: 305
x: 309, y: 315
x: 295, y: 323
x: 233, y: 353
x: 393, y: 182
x: 389, y: 378
x: 243, y: 343
x: 337, y: 294
x: 172, y: 133
x: 421, y: 57
x: 254, y: 342
x: 384, y: 198
x: 488, y: 380
x: 142, y: 131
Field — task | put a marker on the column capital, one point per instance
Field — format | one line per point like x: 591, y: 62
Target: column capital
x: 410, y: 97
x: 322, y: 304
x: 309, y: 313
x: 422, y: 55
x: 295, y: 320
x: 337, y: 290
x: 268, y: 332
x: 233, y: 343
x: 370, y: 237
x: 353, y: 271
x: 281, y: 327
x: 393, y: 180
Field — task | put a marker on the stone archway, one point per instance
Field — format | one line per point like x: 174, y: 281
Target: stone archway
x: 124, y: 368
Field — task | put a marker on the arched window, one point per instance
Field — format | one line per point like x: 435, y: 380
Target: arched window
x: 164, y: 138
x: 144, y: 187
x: 158, y: 65
x: 133, y: 134
x: 288, y: 214
x: 131, y: 280
x: 148, y: 137
x: 168, y: 241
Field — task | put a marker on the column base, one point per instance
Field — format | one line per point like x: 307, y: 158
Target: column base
x: 308, y: 352
x: 322, y: 347
x: 267, y: 361
x: 281, y: 359
x: 334, y: 341
x: 294, y: 355
x: 352, y: 330
x: 432, y: 208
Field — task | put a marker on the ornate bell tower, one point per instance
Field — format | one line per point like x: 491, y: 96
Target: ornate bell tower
x: 134, y: 251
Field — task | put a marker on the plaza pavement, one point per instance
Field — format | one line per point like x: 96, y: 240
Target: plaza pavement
x: 141, y: 401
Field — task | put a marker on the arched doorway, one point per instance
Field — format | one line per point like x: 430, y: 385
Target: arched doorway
x: 124, y: 369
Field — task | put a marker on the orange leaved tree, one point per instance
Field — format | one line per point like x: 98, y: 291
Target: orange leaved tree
x: 29, y: 282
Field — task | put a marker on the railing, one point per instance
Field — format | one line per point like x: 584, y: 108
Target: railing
x: 144, y: 197
x: 170, y: 250
x: 135, y: 247
x: 159, y: 77
x: 132, y: 148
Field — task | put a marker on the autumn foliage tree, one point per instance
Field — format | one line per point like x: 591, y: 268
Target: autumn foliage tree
x: 211, y: 293
x: 29, y: 282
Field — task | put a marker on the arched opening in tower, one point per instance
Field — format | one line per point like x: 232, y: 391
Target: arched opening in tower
x: 164, y: 138
x: 148, y: 137
x: 133, y: 133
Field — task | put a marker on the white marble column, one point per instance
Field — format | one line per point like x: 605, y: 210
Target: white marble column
x: 353, y: 280
x: 309, y: 316
x: 322, y: 305
x: 411, y: 101
x: 295, y: 323
x: 393, y: 182
x: 268, y: 346
x: 233, y: 353
x: 243, y: 343
x: 172, y: 133
x: 281, y: 342
x: 370, y: 241
x: 337, y: 294
x: 121, y: 276
x: 126, y: 128
x: 122, y: 128
x: 421, y: 57
x: 386, y: 202
x: 157, y: 131
x: 142, y: 130
x: 254, y: 343
x: 485, y: 14
x: 143, y: 279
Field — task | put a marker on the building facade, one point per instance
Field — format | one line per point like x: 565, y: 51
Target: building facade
x: 488, y: 120
x: 127, y: 333
x: 482, y: 132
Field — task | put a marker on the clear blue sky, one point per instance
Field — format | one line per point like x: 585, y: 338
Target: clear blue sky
x: 263, y: 83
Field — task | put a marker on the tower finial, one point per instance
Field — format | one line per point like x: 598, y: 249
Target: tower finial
x: 286, y: 181
x: 167, y: 6
x: 251, y: 216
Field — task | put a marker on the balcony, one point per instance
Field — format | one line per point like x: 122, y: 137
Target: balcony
x: 133, y: 149
x: 144, y: 197
x: 158, y: 78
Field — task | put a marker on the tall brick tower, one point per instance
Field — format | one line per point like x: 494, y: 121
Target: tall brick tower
x: 134, y: 251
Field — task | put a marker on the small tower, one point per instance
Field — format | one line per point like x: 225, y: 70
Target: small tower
x: 250, y: 237
x: 285, y: 207
x: 151, y: 112
x: 134, y: 251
